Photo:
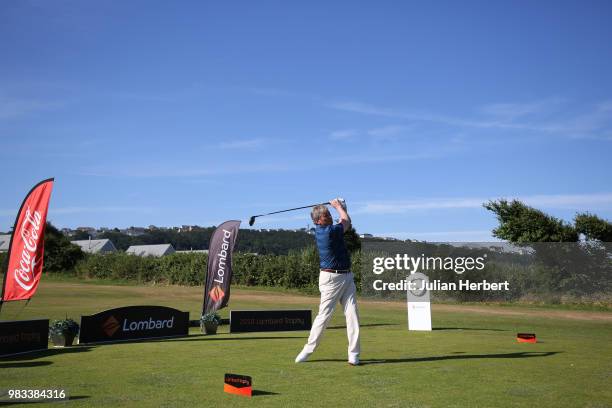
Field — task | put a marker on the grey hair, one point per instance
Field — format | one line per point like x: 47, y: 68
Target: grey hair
x: 317, y: 212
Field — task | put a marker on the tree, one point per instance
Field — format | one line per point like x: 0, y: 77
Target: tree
x: 567, y: 267
x: 519, y: 223
x: 80, y: 235
x: 60, y: 254
x: 593, y: 227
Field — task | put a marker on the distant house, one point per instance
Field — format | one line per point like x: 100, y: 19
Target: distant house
x: 134, y: 231
x: 96, y: 246
x: 89, y: 230
x: 5, y: 241
x: 193, y: 251
x: 151, y: 250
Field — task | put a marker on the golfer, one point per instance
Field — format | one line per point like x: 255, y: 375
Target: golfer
x: 335, y: 280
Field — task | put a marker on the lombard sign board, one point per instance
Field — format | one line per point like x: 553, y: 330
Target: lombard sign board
x: 22, y: 336
x: 133, y: 323
x: 269, y: 320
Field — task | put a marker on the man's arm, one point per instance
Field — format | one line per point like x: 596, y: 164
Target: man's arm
x: 345, y: 220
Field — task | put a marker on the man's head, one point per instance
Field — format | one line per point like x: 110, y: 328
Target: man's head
x: 321, y: 216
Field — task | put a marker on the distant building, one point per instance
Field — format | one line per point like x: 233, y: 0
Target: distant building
x: 193, y: 251
x: 90, y: 230
x: 5, y: 241
x: 134, y: 231
x: 151, y: 250
x: 96, y: 246
x: 68, y: 232
x: 366, y: 236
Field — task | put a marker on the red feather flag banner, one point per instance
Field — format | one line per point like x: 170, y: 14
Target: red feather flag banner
x: 26, y: 250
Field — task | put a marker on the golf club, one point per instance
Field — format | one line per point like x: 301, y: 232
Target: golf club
x: 252, y: 219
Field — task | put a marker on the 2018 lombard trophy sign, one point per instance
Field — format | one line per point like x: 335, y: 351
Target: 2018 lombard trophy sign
x: 269, y: 320
x: 21, y: 336
x: 133, y: 323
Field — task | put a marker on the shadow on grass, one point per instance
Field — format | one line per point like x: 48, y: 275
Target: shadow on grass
x: 46, y: 353
x: 466, y: 328
x: 72, y: 398
x: 197, y: 337
x: 25, y: 364
x: 524, y: 354
x: 261, y: 392
x: 204, y: 337
x: 364, y: 325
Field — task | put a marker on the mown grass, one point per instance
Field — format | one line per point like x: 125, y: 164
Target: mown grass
x: 470, y: 360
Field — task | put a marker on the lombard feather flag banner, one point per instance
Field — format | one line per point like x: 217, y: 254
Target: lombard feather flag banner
x: 219, y: 271
x: 26, y: 250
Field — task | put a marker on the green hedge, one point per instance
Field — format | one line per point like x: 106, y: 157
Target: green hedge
x: 298, y: 269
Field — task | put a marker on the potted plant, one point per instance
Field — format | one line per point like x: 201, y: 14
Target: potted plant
x: 62, y: 332
x: 209, y: 323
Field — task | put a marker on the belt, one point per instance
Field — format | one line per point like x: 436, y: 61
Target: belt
x: 336, y: 270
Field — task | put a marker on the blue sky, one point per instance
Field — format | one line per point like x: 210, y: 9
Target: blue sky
x: 171, y: 113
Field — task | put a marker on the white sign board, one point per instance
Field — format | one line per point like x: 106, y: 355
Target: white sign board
x: 419, y: 305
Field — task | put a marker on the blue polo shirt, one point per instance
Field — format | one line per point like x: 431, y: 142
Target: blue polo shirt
x: 332, y: 250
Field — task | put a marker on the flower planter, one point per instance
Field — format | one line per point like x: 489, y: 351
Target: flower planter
x: 210, y: 327
x: 63, y: 340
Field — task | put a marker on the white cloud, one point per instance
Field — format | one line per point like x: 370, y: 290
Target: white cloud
x: 343, y: 134
x: 271, y: 220
x: 580, y: 202
x: 595, y: 123
x: 398, y: 207
x: 12, y: 107
x: 82, y: 210
x: 389, y: 132
x: 442, y: 236
x: 510, y: 111
x: 8, y: 212
x: 97, y: 210
x: 243, y: 144
x: 145, y: 170
x: 571, y: 201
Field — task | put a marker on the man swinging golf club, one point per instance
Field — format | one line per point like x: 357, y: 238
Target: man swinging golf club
x: 335, y: 280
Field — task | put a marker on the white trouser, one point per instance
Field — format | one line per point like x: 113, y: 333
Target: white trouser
x: 336, y: 287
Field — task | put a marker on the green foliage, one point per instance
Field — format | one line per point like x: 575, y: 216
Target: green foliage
x: 298, y: 269
x: 593, y: 227
x: 80, y: 236
x: 211, y: 318
x: 519, y: 223
x: 63, y: 327
x: 60, y: 254
x: 261, y: 242
x: 566, y: 267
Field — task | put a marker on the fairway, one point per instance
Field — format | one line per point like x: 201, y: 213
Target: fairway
x: 470, y: 359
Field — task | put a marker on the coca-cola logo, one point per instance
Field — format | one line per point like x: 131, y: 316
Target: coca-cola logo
x: 30, y: 235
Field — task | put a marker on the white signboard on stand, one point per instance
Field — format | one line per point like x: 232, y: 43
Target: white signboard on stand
x: 419, y: 305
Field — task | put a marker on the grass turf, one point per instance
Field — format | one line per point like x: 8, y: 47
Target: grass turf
x: 471, y: 359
